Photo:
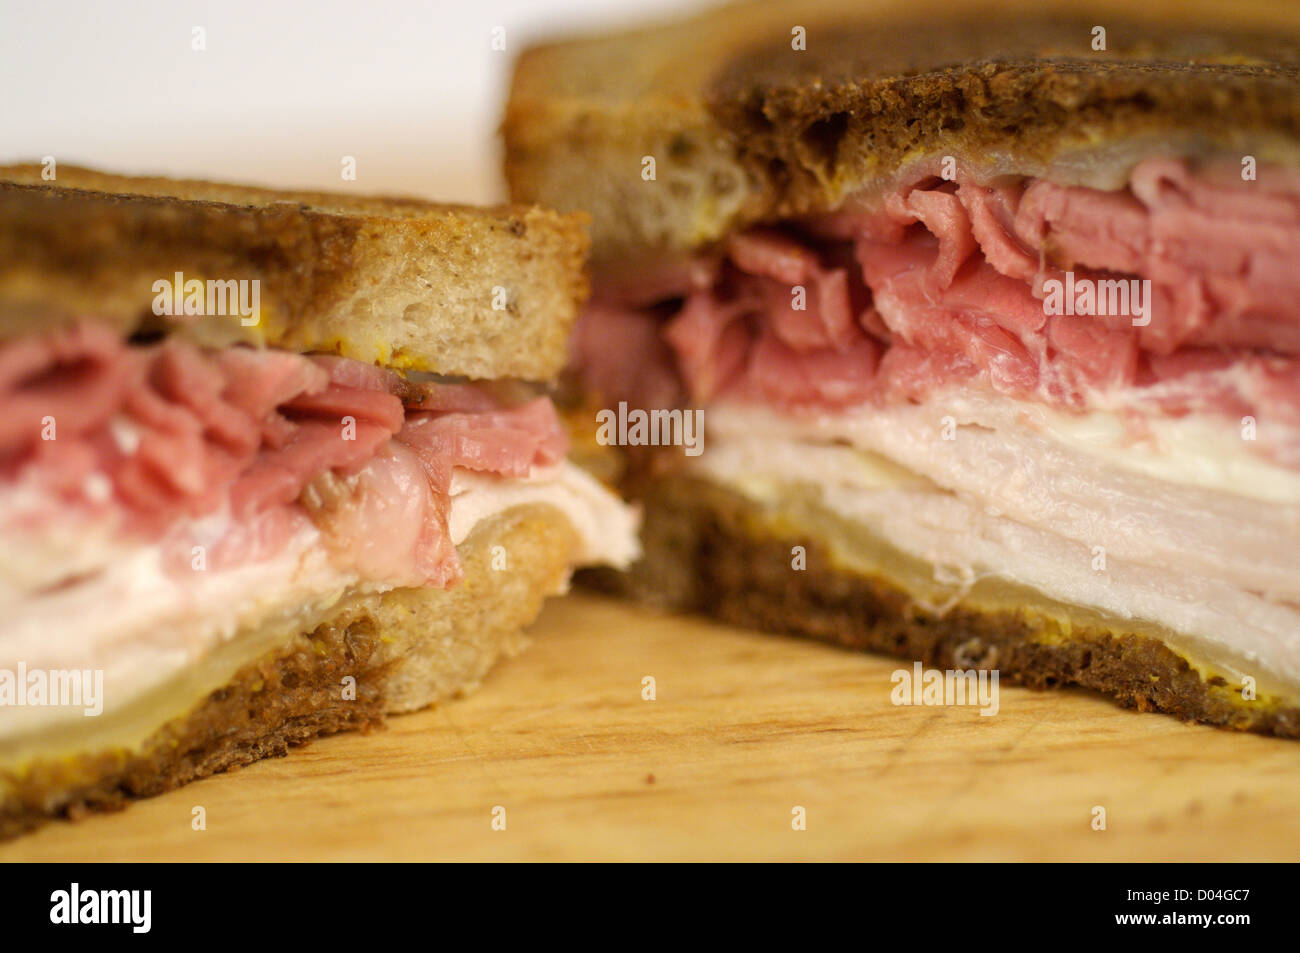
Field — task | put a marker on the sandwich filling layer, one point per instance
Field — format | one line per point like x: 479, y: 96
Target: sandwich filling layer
x: 157, y: 500
x: 1095, y: 394
x: 1217, y: 575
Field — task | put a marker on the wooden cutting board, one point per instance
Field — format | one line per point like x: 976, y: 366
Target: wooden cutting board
x: 744, y: 729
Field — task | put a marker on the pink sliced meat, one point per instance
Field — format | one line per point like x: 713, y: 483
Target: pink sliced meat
x: 1094, y: 357
x: 466, y: 398
x: 392, y: 526
x: 711, y: 341
x: 944, y: 217
x: 945, y: 281
x: 619, y: 350
x: 807, y: 305
x: 72, y: 377
x: 164, y: 433
x: 827, y: 376
x: 260, y: 381
x: 340, y: 403
x: 356, y: 375
x: 277, y: 478
x: 508, y: 442
x: 992, y: 211
x: 1220, y: 251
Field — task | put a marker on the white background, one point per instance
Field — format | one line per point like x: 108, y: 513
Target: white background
x: 283, y: 90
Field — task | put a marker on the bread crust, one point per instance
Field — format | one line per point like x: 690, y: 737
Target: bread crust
x: 478, y: 292
x: 745, y: 129
x: 710, y: 550
x: 406, y: 649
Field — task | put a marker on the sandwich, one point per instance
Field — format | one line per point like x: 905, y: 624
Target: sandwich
x: 272, y: 466
x: 992, y: 317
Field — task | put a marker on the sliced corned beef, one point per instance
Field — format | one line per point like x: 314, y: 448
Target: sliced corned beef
x: 159, y: 436
x: 941, y: 284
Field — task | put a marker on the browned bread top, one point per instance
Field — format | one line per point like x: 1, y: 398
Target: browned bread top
x: 479, y: 292
x: 744, y: 126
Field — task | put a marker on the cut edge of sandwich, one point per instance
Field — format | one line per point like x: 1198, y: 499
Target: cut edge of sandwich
x: 747, y: 131
x: 790, y: 564
x: 363, y: 657
x: 309, y: 623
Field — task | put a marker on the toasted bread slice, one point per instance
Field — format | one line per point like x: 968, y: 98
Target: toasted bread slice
x: 476, y: 292
x: 368, y: 656
x: 745, y: 126
x: 713, y: 550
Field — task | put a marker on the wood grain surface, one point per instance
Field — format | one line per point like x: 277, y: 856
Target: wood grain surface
x: 744, y: 728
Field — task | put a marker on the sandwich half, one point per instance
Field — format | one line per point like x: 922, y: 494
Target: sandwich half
x: 993, y: 317
x: 272, y: 465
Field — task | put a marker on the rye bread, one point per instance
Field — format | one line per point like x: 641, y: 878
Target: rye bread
x: 406, y: 649
x: 710, y: 550
x: 477, y: 292
x: 743, y: 128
